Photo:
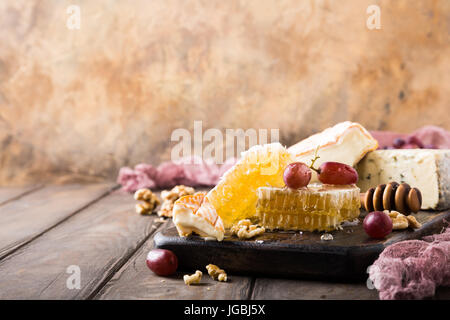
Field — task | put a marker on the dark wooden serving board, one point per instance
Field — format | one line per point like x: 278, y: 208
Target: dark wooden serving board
x: 295, y: 254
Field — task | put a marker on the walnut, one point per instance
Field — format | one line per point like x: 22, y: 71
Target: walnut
x: 400, y: 221
x: 245, y: 230
x: 177, y: 192
x: 170, y: 196
x: 145, y: 195
x: 149, y: 201
x: 166, y: 209
x: 413, y: 223
x: 216, y: 273
x: 192, y: 279
x: 222, y: 277
x: 144, y: 208
x: 392, y: 214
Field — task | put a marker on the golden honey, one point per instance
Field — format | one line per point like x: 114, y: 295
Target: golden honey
x: 234, y: 198
x: 315, y: 208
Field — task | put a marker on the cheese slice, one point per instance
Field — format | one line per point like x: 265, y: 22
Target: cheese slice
x: 428, y: 170
x: 194, y: 213
x: 347, y: 142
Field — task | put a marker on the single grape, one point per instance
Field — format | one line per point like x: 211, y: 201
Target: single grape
x: 297, y: 175
x: 398, y: 142
x: 162, y: 262
x: 377, y: 224
x: 414, y: 140
x: 337, y: 173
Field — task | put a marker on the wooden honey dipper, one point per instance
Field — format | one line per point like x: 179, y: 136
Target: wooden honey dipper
x: 392, y: 196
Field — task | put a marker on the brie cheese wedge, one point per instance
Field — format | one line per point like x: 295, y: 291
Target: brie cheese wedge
x: 347, y: 142
x: 426, y: 169
x: 194, y: 213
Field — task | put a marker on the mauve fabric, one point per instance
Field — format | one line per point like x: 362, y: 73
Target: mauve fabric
x: 132, y: 180
x: 429, y: 135
x: 413, y: 269
x: 192, y: 172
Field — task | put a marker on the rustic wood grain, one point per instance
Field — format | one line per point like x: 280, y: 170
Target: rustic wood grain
x: 287, y: 289
x: 26, y: 218
x: 98, y: 240
x: 135, y: 281
x: 8, y: 194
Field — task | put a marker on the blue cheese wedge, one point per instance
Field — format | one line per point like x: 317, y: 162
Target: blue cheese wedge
x: 428, y: 170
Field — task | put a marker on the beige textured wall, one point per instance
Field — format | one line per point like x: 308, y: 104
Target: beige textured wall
x: 85, y: 102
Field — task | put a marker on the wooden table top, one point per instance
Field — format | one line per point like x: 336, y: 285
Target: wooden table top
x: 47, y: 231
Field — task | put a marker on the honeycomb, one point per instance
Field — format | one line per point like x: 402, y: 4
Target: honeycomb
x: 315, y: 208
x: 235, y: 196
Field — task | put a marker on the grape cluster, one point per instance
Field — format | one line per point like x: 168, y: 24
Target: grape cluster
x: 411, y: 142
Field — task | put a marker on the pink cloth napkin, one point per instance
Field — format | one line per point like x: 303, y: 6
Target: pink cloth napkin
x: 413, y: 269
x: 192, y: 172
x: 430, y: 137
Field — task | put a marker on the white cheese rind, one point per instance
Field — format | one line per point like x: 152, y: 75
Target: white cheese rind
x: 346, y: 142
x: 187, y: 222
x: 427, y: 170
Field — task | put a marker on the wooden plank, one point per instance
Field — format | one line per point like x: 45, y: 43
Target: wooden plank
x: 8, y: 194
x: 28, y: 217
x: 97, y: 240
x: 284, y: 289
x: 135, y: 281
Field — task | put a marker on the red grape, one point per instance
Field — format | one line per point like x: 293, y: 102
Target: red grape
x: 162, y: 262
x: 414, y: 140
x: 297, y: 175
x: 337, y: 173
x: 377, y: 224
x: 399, y: 142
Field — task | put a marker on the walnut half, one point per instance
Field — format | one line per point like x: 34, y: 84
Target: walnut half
x: 216, y: 273
x: 149, y: 201
x: 400, y: 221
x: 412, y: 222
x: 245, y: 230
x: 193, y: 278
x: 170, y: 196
